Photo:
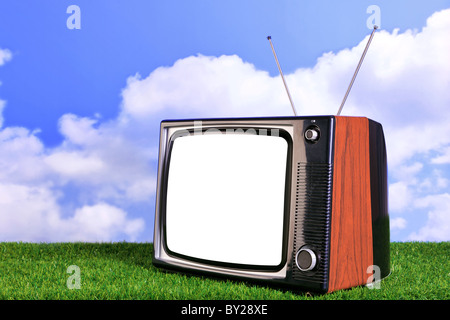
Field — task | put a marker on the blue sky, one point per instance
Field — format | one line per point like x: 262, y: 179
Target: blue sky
x: 80, y: 108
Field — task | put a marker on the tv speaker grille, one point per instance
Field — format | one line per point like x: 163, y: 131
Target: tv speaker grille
x: 312, y: 219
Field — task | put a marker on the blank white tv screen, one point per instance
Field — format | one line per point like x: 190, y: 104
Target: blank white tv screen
x: 225, y: 198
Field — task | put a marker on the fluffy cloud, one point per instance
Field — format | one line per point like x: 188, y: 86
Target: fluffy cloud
x: 443, y: 157
x: 5, y: 55
x: 27, y: 213
x: 205, y: 86
x: 101, y: 222
x: 21, y: 156
x: 400, y: 196
x: 437, y: 227
x: 34, y: 181
x: 77, y: 191
x: 397, y: 223
x: 108, y: 157
x: 2, y: 106
x: 33, y: 214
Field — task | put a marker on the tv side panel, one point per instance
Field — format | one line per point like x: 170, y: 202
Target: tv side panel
x: 351, y: 247
x: 379, y: 197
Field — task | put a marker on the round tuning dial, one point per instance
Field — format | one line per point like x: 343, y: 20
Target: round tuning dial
x: 312, y: 134
x: 306, y: 259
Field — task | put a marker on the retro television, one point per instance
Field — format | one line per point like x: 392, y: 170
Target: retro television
x: 298, y: 201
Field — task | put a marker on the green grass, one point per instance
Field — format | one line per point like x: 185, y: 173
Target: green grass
x: 124, y: 271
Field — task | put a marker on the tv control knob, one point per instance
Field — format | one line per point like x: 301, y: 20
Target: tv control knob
x: 312, y: 134
x: 306, y: 259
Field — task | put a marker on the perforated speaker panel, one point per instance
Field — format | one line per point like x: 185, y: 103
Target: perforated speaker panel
x: 312, y: 219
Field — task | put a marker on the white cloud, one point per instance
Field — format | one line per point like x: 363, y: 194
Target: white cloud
x: 73, y: 165
x: 5, y: 55
x: 400, y: 196
x: 78, y: 131
x: 444, y: 156
x: 105, y: 157
x: 34, y: 181
x: 26, y: 213
x: 205, y: 86
x: 397, y: 223
x: 435, y: 181
x: 32, y: 214
x: 2, y: 106
x: 437, y: 227
x: 107, y: 171
x: 21, y: 156
x: 101, y: 222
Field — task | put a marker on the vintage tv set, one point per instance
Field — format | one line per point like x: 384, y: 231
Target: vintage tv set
x: 295, y: 201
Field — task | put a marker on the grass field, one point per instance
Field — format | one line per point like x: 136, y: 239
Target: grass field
x: 124, y: 271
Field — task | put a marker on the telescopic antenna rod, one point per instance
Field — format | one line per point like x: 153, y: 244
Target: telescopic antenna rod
x: 282, y: 77
x: 357, y: 69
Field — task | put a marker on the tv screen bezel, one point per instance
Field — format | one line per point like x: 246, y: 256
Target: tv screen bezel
x: 259, y: 128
